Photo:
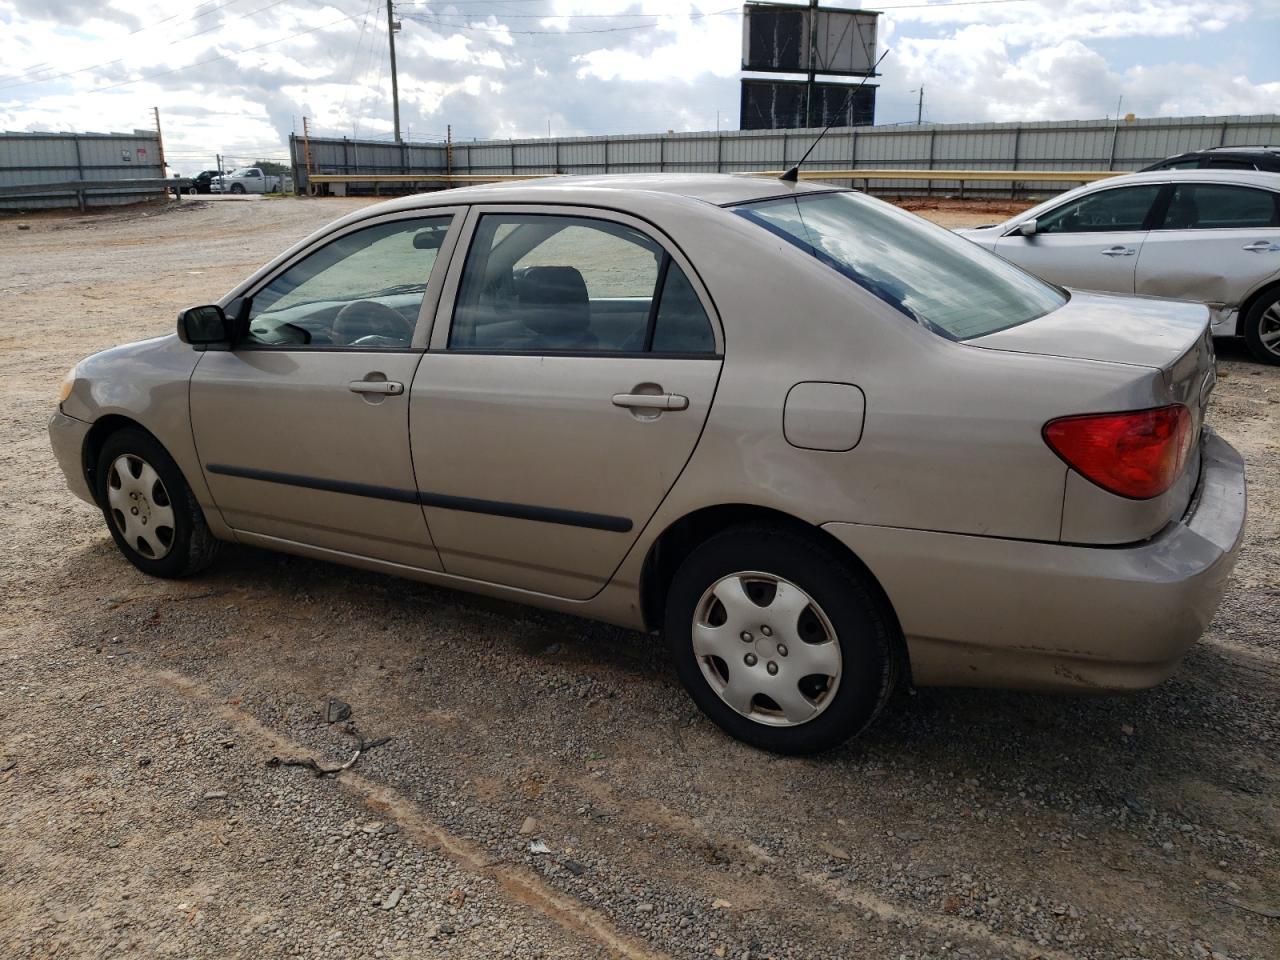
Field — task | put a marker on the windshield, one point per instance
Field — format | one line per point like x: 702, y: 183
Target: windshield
x: 935, y: 277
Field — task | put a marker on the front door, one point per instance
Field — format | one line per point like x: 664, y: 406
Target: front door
x: 570, y: 373
x: 303, y: 428
x: 1090, y: 243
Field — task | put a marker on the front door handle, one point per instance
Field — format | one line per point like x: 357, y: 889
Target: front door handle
x: 1119, y: 252
x: 391, y: 388
x: 651, y: 401
x: 1262, y: 246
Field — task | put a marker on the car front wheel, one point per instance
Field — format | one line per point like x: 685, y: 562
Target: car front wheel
x: 151, y: 512
x: 780, y: 640
x: 1262, y: 328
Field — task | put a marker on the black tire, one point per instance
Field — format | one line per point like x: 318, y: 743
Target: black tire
x: 191, y: 547
x: 1263, y: 317
x: 864, y: 629
x: 237, y: 188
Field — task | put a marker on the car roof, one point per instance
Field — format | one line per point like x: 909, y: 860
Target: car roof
x: 715, y: 188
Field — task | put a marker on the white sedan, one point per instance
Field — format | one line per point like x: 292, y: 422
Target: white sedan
x: 1205, y: 235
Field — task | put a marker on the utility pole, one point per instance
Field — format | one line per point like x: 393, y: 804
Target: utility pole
x: 159, y: 139
x: 920, y: 107
x: 306, y: 148
x: 813, y: 53
x: 392, y: 27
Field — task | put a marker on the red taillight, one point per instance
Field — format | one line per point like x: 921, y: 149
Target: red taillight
x: 1138, y: 454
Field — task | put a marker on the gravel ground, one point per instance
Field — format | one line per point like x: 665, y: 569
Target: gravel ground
x: 548, y: 790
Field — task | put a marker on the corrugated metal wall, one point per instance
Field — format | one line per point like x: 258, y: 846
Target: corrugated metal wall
x: 1049, y: 145
x: 37, y: 158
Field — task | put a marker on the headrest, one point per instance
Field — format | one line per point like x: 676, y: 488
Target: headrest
x: 553, y: 300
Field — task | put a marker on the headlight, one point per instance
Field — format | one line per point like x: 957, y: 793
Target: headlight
x: 68, y: 384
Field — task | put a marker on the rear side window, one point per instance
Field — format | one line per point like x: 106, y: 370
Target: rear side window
x: 1108, y: 211
x: 558, y: 284
x: 936, y: 278
x: 1220, y: 206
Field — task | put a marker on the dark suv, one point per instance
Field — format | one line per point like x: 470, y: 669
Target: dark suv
x: 200, y: 182
x: 1223, y: 158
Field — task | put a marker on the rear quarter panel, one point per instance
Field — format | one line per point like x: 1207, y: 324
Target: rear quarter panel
x: 952, y: 433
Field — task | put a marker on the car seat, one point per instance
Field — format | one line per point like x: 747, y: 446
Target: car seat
x: 554, y: 306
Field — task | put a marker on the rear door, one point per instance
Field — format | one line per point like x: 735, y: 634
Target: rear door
x: 571, y: 369
x: 1091, y: 242
x: 1215, y: 243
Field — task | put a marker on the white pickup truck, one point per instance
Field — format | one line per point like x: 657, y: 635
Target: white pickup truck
x: 247, y: 180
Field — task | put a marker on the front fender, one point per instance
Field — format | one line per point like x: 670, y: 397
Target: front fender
x: 149, y: 383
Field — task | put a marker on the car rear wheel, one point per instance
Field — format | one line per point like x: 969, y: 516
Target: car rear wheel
x: 151, y: 512
x: 1262, y: 328
x: 779, y: 640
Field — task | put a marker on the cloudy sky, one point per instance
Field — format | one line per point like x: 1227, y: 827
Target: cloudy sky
x: 236, y: 76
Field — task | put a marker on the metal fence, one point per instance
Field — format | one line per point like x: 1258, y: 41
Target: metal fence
x: 56, y: 161
x: 1048, y: 145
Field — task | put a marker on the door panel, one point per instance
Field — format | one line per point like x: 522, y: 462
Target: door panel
x: 1211, y: 266
x: 303, y: 429
x: 541, y: 436
x: 1087, y: 261
x: 291, y: 450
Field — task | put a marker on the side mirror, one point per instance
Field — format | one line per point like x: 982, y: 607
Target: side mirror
x: 200, y: 326
x: 1027, y: 227
x: 429, y: 239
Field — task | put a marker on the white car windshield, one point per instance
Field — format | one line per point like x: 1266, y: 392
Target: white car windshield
x: 938, y: 279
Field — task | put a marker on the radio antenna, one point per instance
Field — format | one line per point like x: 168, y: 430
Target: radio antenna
x: 793, y: 174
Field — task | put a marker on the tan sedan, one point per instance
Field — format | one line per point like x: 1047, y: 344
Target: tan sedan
x: 820, y: 443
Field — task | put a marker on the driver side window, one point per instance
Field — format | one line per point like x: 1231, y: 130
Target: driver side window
x: 1122, y: 208
x: 359, y: 292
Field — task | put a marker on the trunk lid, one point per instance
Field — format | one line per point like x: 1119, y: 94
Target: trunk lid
x: 1171, y: 336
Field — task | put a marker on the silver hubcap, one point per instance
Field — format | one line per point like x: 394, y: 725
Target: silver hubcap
x: 1269, y: 328
x: 140, y: 506
x: 766, y: 648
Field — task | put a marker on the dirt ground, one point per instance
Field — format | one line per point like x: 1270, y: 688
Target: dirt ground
x: 548, y: 789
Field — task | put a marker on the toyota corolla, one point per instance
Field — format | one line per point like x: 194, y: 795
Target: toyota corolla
x: 822, y: 445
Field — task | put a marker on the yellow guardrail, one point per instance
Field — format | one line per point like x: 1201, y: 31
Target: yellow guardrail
x: 961, y: 176
x: 422, y: 177
x: 1003, y: 176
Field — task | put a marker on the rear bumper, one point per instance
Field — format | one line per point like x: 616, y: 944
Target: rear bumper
x: 981, y: 611
x: 66, y: 436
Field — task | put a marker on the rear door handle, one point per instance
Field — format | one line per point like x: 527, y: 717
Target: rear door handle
x: 651, y: 401
x: 1119, y: 252
x: 1262, y: 246
x: 388, y: 387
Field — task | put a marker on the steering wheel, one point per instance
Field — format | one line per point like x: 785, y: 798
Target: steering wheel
x: 364, y: 318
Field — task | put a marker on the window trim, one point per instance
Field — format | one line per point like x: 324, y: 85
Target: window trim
x: 439, y: 341
x: 1168, y: 201
x: 430, y: 298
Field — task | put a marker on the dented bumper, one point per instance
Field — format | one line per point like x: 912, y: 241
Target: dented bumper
x: 982, y: 611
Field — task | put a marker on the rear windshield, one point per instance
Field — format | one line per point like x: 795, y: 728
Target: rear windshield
x: 935, y: 277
